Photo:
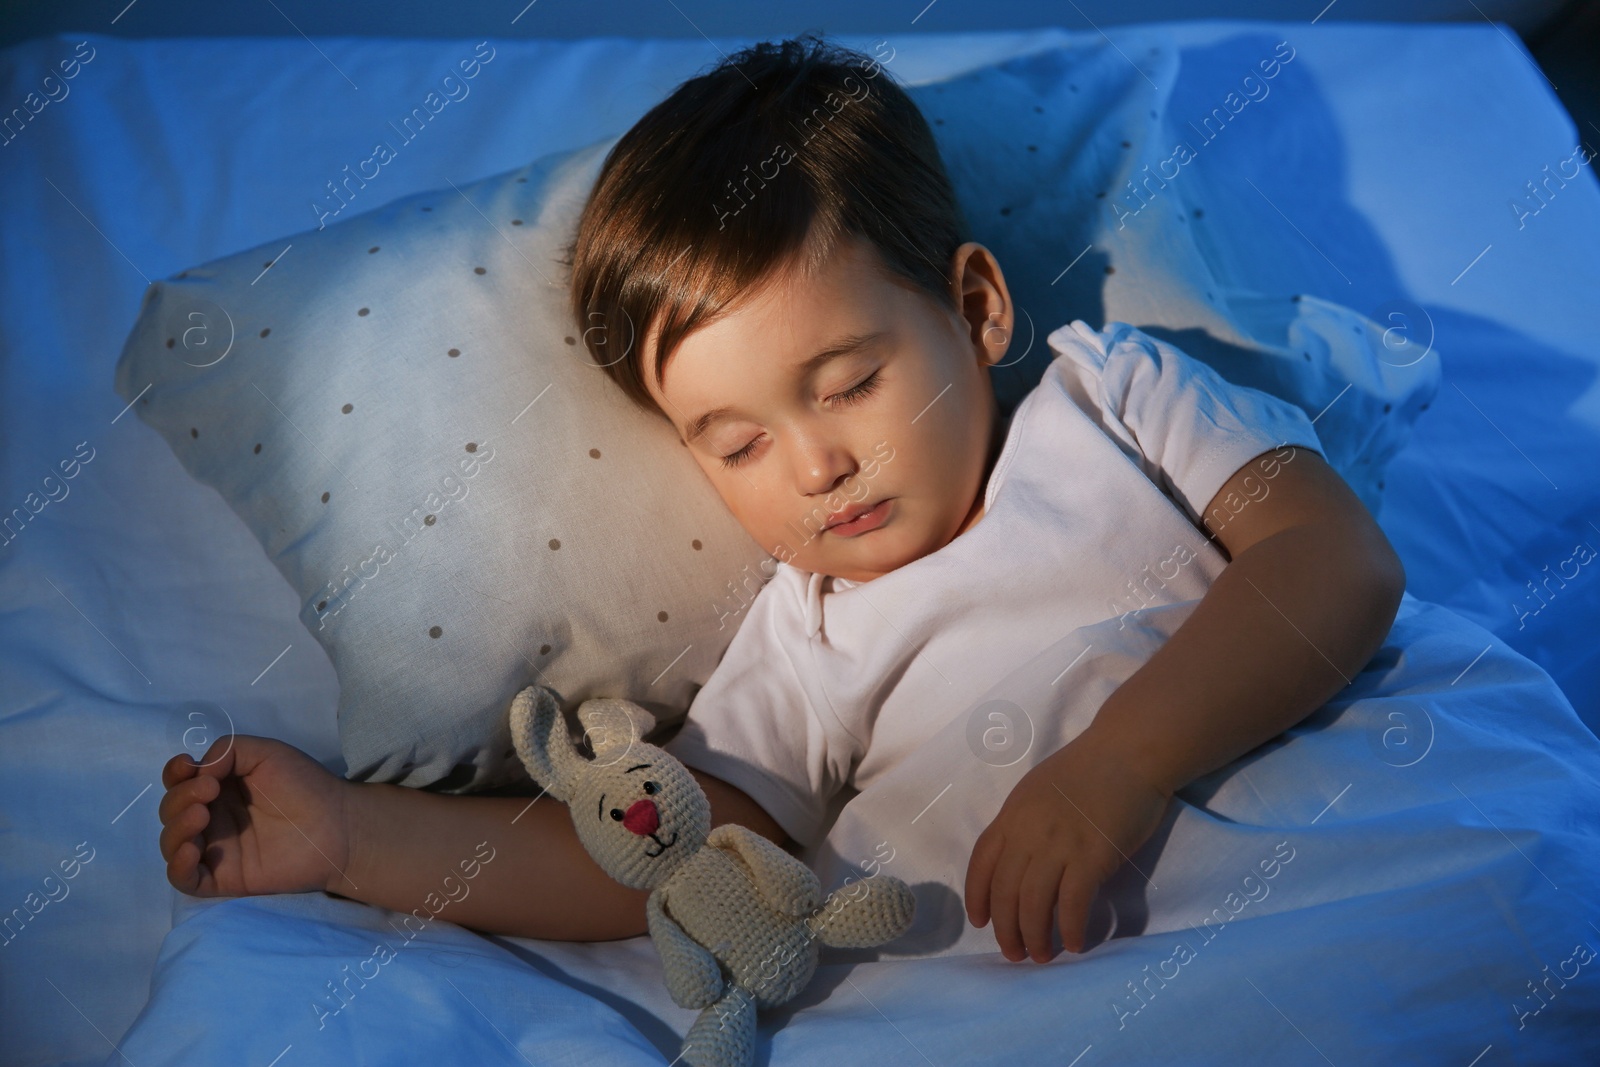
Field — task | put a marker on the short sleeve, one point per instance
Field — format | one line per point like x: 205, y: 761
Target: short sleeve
x: 1188, y: 427
x: 753, y: 725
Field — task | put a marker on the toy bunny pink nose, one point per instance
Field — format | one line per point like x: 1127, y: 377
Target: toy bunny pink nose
x: 642, y: 818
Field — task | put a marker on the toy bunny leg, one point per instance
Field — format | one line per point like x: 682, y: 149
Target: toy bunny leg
x: 872, y: 912
x: 725, y: 1033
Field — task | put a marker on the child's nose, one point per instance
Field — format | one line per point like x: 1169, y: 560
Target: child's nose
x: 642, y: 818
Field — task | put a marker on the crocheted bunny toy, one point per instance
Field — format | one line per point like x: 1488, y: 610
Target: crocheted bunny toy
x: 735, y: 918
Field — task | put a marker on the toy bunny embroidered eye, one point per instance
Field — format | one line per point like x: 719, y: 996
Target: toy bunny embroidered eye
x: 736, y: 919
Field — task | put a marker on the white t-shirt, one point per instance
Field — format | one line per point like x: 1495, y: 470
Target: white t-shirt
x: 1091, y: 512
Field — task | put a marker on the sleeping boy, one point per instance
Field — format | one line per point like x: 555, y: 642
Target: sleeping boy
x: 819, y: 333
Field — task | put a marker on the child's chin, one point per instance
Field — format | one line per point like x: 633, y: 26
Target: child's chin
x: 877, y: 555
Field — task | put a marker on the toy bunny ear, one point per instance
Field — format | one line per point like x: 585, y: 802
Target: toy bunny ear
x: 539, y: 731
x: 613, y: 726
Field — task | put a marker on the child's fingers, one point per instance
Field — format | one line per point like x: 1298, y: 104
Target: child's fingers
x: 186, y: 874
x: 184, y: 816
x: 182, y: 845
x: 980, y: 875
x: 1077, y: 893
x: 1003, y: 904
x: 185, y: 813
x: 185, y: 794
x: 183, y: 867
x: 1036, y: 906
x: 177, y: 769
x: 218, y: 762
x: 221, y: 759
x: 185, y: 824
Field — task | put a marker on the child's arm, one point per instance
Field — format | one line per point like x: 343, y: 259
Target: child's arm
x: 1309, y: 595
x: 256, y: 816
x: 541, y: 883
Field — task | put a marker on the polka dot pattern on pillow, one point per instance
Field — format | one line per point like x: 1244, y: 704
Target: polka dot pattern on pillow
x: 464, y: 504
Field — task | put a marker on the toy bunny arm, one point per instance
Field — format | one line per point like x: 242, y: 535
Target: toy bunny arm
x: 788, y: 885
x: 692, y: 974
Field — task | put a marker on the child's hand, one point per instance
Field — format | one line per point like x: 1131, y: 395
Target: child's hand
x: 253, y: 816
x: 1066, y: 827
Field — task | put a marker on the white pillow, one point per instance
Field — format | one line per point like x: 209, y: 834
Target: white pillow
x: 1042, y: 149
x: 399, y: 409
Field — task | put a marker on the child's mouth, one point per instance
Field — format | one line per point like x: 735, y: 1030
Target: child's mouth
x: 870, y: 519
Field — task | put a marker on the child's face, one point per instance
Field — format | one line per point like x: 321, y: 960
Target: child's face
x: 907, y: 421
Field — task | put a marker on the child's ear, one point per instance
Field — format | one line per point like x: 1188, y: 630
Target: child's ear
x: 539, y: 731
x: 979, y: 286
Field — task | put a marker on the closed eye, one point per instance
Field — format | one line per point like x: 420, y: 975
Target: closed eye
x: 740, y: 456
x: 854, y: 395
x: 857, y: 393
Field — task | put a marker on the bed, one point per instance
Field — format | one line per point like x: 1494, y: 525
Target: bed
x: 139, y: 588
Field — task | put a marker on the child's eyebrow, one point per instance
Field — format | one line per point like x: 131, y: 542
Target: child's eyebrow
x: 842, y: 347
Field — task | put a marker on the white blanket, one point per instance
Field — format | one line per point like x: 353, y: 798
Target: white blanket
x: 1381, y: 884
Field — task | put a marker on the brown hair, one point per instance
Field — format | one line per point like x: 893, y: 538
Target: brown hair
x: 680, y: 223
